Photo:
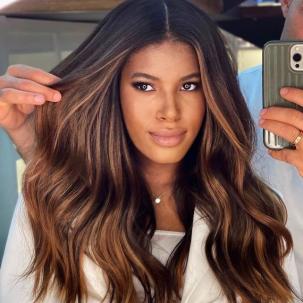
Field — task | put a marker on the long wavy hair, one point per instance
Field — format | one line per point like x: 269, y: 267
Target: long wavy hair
x: 85, y: 194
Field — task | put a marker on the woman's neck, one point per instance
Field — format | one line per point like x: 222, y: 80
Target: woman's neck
x: 160, y: 177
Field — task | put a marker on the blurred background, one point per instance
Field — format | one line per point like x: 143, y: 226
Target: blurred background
x: 41, y: 33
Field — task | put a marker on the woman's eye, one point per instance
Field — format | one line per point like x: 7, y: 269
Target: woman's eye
x: 190, y: 86
x: 143, y: 86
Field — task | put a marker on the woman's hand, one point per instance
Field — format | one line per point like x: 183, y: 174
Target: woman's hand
x: 21, y: 89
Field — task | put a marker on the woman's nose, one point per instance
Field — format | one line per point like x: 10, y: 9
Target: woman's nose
x: 169, y: 109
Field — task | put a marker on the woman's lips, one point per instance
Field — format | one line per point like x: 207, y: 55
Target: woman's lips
x: 168, y: 139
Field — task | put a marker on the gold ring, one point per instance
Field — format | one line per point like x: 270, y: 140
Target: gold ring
x: 298, y: 139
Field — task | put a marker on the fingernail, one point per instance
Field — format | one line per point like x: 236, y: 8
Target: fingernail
x: 263, y: 111
x: 39, y: 99
x: 261, y: 121
x: 284, y: 91
x: 57, y: 96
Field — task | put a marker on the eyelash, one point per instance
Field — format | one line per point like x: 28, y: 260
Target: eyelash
x: 136, y: 85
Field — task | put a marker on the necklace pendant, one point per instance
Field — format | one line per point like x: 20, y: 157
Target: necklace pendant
x: 157, y: 200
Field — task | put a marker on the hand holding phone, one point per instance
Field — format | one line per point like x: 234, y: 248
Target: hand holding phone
x: 282, y: 67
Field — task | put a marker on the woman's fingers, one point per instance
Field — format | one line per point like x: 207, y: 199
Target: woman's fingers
x: 32, y: 73
x: 26, y: 108
x: 288, y: 116
x: 286, y: 131
x: 21, y: 89
x: 15, y: 96
x: 292, y: 94
x: 9, y: 82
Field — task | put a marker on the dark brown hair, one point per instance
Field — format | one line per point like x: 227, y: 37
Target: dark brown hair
x: 85, y: 194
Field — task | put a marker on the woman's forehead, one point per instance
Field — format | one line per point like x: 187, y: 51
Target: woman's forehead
x: 162, y: 55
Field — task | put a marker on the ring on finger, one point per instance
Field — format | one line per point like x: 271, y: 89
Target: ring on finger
x: 298, y: 138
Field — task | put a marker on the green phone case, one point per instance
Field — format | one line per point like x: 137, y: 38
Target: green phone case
x: 278, y: 73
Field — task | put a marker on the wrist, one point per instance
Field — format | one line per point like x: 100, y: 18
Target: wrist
x: 23, y: 153
x: 23, y: 142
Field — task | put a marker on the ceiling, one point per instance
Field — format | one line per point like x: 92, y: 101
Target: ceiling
x: 256, y: 24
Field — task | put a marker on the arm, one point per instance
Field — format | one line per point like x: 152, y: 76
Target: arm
x: 24, y: 141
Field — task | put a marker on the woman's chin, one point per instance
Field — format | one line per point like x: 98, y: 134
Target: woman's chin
x: 165, y: 157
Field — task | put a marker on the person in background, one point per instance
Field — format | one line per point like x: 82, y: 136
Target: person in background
x: 283, y: 170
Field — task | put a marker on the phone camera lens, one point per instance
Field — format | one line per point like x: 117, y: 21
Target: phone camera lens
x: 297, y: 57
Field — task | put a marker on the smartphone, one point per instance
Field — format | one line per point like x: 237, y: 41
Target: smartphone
x: 282, y: 66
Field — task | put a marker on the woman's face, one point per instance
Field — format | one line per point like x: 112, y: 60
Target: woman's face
x: 162, y: 101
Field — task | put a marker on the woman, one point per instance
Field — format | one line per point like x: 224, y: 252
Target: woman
x: 140, y: 188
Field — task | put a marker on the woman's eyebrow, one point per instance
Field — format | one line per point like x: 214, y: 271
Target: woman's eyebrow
x: 192, y: 75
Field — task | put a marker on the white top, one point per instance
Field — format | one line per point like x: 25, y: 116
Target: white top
x: 164, y: 242
x: 200, y: 283
x: 281, y: 176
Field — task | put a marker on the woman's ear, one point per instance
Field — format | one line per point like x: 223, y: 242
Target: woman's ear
x: 285, y: 4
